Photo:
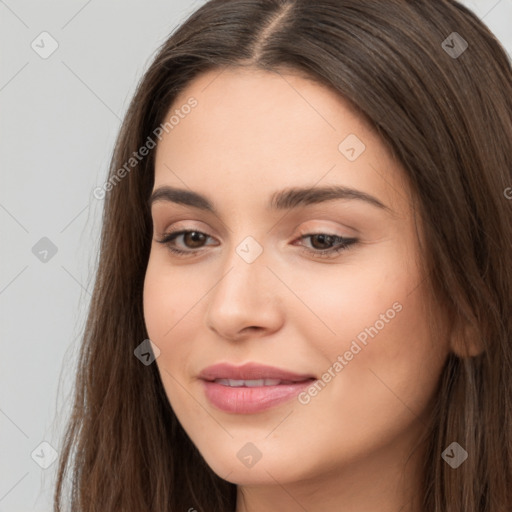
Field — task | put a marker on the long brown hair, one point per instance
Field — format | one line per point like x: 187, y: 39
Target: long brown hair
x: 446, y: 112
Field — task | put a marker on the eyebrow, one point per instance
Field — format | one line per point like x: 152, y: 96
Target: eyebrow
x: 286, y: 199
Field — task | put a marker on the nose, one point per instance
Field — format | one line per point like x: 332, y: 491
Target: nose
x: 245, y: 301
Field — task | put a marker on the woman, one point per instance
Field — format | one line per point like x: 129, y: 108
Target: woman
x: 307, y: 214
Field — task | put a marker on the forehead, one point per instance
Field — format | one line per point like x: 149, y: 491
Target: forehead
x: 252, y: 128
x: 264, y: 100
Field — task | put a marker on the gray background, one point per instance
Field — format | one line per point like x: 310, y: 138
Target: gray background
x: 59, y: 118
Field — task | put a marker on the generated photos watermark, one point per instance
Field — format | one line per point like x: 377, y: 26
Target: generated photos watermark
x: 355, y: 348
x: 173, y: 121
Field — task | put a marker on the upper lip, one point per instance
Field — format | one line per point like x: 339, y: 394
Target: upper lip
x: 250, y: 371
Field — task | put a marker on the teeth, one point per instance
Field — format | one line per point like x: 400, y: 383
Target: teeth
x: 249, y: 383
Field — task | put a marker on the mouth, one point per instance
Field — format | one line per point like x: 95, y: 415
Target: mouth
x: 251, y: 372
x: 251, y: 388
x: 254, y: 383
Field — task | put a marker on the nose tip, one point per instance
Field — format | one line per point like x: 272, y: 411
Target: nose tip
x: 244, y: 303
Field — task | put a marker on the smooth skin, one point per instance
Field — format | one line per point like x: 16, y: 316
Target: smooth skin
x: 254, y: 133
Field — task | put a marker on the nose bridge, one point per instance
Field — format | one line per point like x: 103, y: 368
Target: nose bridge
x: 243, y: 296
x: 244, y: 274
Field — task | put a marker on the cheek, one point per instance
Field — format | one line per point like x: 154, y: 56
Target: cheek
x: 357, y: 301
x: 381, y: 391
x: 159, y: 305
x: 168, y: 306
x: 381, y: 362
x: 168, y: 314
x: 168, y: 298
x: 389, y: 366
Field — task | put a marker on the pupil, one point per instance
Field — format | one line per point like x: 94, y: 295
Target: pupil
x: 324, y: 239
x: 196, y: 238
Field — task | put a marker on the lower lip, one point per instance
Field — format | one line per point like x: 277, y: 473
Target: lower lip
x: 246, y: 400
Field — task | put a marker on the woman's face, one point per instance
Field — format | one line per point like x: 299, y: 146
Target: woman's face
x: 260, y: 283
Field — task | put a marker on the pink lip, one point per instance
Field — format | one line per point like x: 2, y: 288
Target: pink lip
x: 250, y: 371
x: 246, y: 400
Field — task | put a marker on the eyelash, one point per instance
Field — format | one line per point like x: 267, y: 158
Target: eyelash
x: 343, y: 244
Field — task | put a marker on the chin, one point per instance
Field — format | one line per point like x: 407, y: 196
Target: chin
x: 246, y: 463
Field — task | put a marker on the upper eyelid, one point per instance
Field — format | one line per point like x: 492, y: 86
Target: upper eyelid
x: 320, y: 208
x: 320, y: 229
x: 309, y: 231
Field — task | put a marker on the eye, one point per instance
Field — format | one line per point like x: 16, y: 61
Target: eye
x: 326, y: 245
x: 323, y: 245
x: 193, y: 237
